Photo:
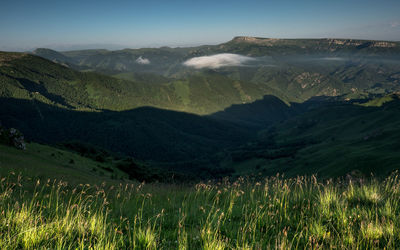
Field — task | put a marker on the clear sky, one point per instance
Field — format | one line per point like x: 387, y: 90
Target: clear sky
x: 69, y: 24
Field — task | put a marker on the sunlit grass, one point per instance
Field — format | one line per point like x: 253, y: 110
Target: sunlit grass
x: 275, y: 213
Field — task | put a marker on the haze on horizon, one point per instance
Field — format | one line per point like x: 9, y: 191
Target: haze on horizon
x: 67, y: 25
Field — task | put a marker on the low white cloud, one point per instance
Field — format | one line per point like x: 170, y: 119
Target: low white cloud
x: 333, y: 58
x: 395, y: 24
x: 217, y: 61
x: 142, y: 60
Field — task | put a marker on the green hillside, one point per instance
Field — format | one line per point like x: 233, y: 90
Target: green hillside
x: 52, y: 103
x: 43, y: 162
x: 28, y: 77
x: 333, y: 140
x: 145, y: 133
x: 55, y: 56
x: 33, y: 78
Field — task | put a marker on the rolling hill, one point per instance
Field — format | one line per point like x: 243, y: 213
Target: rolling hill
x: 44, y: 162
x: 25, y: 76
x: 333, y: 140
x: 265, y: 105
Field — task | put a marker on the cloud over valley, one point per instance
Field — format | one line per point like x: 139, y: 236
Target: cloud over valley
x: 218, y: 61
x: 142, y: 60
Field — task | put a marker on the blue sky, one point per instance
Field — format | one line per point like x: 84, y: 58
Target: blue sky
x: 59, y: 24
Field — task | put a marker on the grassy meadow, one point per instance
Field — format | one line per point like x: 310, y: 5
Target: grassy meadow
x: 275, y: 213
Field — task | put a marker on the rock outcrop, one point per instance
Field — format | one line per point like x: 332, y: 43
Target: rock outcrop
x: 12, y: 137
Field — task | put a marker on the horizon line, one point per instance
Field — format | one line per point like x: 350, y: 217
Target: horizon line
x: 159, y: 46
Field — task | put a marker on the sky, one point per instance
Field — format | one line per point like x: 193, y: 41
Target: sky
x: 80, y: 24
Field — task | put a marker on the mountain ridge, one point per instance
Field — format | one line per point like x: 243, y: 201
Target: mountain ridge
x: 332, y: 41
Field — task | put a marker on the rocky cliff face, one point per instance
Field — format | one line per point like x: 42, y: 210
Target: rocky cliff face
x: 328, y: 42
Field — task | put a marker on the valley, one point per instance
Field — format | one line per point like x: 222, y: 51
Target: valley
x: 290, y: 106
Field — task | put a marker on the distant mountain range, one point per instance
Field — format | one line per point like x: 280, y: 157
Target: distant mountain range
x: 249, y: 105
x: 292, y: 69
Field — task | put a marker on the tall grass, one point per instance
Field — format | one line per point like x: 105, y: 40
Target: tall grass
x: 275, y: 213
